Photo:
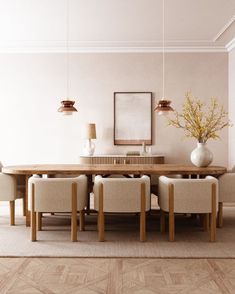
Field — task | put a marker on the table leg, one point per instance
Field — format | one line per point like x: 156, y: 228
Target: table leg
x: 89, y: 190
x: 26, y: 201
x: 24, y: 206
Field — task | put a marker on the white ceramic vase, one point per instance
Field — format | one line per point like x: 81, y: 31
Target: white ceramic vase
x: 201, y: 156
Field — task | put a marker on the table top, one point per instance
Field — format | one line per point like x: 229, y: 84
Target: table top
x: 136, y: 169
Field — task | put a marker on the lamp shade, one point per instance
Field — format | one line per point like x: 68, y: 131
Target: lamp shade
x: 67, y: 107
x: 163, y: 107
x: 89, y: 131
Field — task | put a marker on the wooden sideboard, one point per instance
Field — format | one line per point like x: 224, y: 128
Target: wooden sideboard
x: 122, y: 159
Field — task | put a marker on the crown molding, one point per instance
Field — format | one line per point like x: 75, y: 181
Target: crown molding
x: 104, y: 47
x: 231, y: 45
x: 140, y: 46
x: 224, y: 29
x: 179, y: 49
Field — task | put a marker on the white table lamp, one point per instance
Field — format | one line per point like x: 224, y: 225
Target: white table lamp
x: 89, y: 134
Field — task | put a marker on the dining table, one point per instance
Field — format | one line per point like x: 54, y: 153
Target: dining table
x: 107, y: 169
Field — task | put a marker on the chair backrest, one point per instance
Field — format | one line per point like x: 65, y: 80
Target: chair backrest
x: 190, y: 195
x: 55, y: 195
x: 227, y: 187
x: 122, y: 194
x: 20, y: 179
x: 7, y: 187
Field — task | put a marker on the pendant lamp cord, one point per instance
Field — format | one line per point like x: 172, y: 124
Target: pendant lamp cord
x: 67, y: 46
x: 163, y: 49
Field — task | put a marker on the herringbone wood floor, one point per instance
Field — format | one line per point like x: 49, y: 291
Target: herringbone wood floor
x: 112, y: 276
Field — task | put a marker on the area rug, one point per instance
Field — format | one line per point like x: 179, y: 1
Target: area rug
x: 121, y: 235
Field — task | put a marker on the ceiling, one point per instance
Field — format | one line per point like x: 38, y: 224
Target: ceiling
x: 117, y: 25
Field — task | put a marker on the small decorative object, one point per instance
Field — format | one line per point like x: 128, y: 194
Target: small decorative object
x: 143, y: 152
x: 89, y: 134
x: 149, y: 150
x: 202, y: 123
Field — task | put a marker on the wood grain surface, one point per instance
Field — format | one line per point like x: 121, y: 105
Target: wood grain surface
x: 136, y: 169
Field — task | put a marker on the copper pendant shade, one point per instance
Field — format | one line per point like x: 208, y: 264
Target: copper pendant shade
x: 163, y: 106
x: 67, y: 106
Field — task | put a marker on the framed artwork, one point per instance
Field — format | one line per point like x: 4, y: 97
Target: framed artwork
x: 132, y: 118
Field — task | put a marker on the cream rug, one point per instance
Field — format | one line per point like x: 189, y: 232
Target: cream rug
x: 122, y: 233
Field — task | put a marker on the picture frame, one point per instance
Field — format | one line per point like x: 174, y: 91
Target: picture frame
x: 132, y: 118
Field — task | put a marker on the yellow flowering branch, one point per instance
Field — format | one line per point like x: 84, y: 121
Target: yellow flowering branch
x: 200, y: 123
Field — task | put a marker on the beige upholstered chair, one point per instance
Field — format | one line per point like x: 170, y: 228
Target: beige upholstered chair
x: 57, y: 195
x: 19, y: 192
x: 8, y: 193
x: 188, y: 196
x: 125, y: 195
x: 226, y: 192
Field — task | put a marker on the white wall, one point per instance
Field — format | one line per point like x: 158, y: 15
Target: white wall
x: 232, y: 107
x: 32, y: 85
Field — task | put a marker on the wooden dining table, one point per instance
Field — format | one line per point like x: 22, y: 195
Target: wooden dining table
x: 106, y: 169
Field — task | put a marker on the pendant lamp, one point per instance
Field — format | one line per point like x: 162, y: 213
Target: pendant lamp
x: 163, y: 107
x: 67, y: 105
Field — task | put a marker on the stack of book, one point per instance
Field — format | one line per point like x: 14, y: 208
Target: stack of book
x: 133, y: 153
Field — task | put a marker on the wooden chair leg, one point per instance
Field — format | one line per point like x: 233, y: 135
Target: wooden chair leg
x: 101, y: 213
x: 74, y: 213
x: 24, y: 206
x: 213, y: 214
x: 171, y: 214
x: 12, y: 212
x: 220, y: 215
x: 39, y: 221
x: 33, y: 216
x: 82, y: 220
x: 162, y: 221
x: 143, y: 214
